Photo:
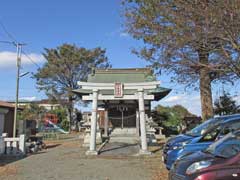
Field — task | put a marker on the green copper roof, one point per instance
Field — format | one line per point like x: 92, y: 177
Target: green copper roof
x: 134, y: 75
x: 159, y: 92
x: 121, y: 75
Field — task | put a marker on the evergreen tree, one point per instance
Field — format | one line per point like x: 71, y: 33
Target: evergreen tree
x: 170, y: 117
x: 225, y: 105
x: 65, y: 66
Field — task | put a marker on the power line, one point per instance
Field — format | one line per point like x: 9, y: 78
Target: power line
x: 31, y: 59
x: 15, y: 42
x: 10, y: 36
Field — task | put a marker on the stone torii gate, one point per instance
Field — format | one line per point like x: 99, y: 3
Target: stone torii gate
x: 140, y: 96
x: 137, y: 88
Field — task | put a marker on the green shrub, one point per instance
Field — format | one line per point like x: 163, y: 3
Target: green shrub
x: 65, y: 124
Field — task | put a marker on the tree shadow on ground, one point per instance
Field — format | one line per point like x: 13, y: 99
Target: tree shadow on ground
x: 159, y: 147
x: 50, y: 146
x: 119, y: 146
x: 156, y: 150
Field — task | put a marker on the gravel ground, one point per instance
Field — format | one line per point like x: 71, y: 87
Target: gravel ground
x: 66, y: 160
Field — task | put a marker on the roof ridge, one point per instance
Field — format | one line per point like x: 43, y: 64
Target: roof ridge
x: 124, y: 70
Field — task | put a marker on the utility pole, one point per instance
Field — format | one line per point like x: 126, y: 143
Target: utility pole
x: 19, y: 53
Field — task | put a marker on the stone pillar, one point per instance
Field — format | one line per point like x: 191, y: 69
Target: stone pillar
x: 143, y: 149
x: 106, y: 123
x: 22, y: 143
x: 137, y: 122
x: 92, y: 150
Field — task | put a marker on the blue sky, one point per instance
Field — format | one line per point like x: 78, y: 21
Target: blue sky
x: 92, y: 23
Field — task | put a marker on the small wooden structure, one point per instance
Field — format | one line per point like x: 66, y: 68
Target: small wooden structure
x: 6, y: 118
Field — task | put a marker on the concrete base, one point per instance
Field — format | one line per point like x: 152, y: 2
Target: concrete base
x: 91, y: 153
x: 144, y: 152
x: 86, y: 141
x: 160, y: 136
x: 125, y: 135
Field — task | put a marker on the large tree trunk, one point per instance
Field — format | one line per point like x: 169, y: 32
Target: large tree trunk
x: 205, y: 89
x: 69, y: 116
x: 70, y: 111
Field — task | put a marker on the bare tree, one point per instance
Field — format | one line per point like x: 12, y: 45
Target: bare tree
x: 186, y: 38
x: 227, y: 28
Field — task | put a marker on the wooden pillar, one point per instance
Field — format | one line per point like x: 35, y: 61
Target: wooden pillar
x: 92, y: 150
x: 106, y: 123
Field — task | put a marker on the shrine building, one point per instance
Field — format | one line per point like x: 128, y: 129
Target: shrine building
x: 126, y: 96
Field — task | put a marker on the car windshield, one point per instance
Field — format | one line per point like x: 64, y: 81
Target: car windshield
x: 197, y: 131
x: 226, y: 147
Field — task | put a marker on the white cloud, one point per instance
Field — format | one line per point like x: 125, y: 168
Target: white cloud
x: 8, y: 59
x: 30, y: 98
x: 172, y: 99
x: 124, y: 34
x: 189, y: 101
x: 118, y: 33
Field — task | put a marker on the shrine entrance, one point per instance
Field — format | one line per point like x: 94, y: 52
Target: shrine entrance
x: 122, y: 116
x: 125, y: 95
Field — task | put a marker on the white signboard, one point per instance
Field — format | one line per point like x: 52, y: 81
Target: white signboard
x: 118, y: 90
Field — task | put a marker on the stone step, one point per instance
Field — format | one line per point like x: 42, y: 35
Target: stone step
x: 125, y: 135
x: 124, y: 131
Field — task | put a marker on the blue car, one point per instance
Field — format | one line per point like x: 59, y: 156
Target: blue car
x: 197, y: 139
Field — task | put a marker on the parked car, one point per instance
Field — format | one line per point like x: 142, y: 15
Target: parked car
x: 173, y: 147
x: 219, y: 161
x: 202, y: 142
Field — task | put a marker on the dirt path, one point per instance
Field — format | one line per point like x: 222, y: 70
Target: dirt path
x: 66, y: 160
